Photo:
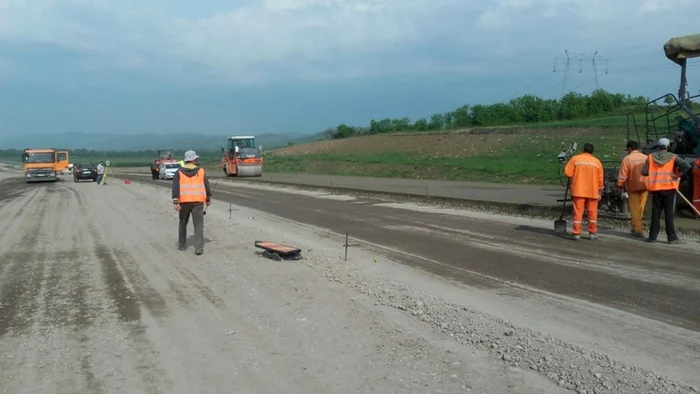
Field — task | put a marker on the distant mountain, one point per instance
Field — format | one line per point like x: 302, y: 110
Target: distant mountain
x: 116, y: 142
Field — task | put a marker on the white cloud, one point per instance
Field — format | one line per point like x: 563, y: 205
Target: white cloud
x: 330, y: 38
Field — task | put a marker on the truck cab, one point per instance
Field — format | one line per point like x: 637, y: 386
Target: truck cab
x: 41, y: 165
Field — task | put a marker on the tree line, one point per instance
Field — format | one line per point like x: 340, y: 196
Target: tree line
x: 526, y: 109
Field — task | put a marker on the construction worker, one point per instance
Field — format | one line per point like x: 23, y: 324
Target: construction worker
x: 635, y: 185
x: 154, y: 170
x: 663, y: 170
x: 190, y: 192
x: 586, y: 175
x: 100, y: 172
x: 696, y: 183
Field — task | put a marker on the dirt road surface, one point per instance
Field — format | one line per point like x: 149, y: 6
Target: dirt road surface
x: 95, y: 297
x: 532, y: 200
x: 620, y: 300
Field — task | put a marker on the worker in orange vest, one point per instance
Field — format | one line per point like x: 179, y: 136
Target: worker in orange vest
x: 635, y: 185
x: 586, y: 173
x: 696, y: 183
x: 663, y: 170
x: 190, y: 192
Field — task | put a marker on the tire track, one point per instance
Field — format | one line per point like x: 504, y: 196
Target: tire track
x: 193, y: 279
x: 67, y: 311
x: 9, y: 226
x: 124, y: 300
x: 128, y: 308
x: 146, y: 293
x: 24, y: 266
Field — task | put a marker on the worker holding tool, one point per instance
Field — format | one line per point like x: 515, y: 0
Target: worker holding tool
x: 635, y: 185
x: 586, y: 173
x: 663, y: 170
x: 190, y: 192
x: 100, y: 172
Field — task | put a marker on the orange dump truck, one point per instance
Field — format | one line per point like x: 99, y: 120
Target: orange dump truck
x: 43, y: 164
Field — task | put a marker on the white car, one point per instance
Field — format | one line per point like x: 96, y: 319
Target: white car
x: 168, y: 170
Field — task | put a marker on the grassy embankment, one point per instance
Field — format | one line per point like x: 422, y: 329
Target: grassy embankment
x: 526, y: 154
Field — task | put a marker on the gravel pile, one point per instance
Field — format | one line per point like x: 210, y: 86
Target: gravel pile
x: 569, y: 366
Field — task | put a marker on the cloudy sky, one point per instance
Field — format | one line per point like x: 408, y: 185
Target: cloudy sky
x: 255, y: 66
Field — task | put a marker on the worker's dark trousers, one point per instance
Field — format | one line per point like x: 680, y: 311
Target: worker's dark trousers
x: 663, y: 201
x: 197, y: 211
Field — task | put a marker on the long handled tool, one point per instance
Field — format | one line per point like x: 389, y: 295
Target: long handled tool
x: 560, y: 225
x: 688, y: 202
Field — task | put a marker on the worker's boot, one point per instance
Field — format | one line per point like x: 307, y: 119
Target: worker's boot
x: 676, y: 242
x: 576, y: 237
x: 199, y: 252
x: 592, y: 236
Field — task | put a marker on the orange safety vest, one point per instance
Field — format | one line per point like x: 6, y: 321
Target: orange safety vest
x: 192, y: 188
x: 661, y: 176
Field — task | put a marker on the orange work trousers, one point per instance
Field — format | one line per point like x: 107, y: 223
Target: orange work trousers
x: 590, y: 205
x: 696, y: 188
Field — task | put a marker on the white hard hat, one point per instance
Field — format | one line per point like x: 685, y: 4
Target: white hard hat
x: 665, y: 142
x: 190, y: 155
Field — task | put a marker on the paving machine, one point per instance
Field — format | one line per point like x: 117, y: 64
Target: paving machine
x: 666, y: 116
x: 241, y: 158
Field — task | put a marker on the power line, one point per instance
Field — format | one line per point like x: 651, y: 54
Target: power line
x: 580, y: 57
x: 531, y: 84
x: 643, y: 68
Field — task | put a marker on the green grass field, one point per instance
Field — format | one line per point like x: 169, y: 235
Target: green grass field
x: 529, y: 156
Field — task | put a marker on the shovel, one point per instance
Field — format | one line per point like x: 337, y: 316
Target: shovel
x: 688, y: 202
x: 560, y: 225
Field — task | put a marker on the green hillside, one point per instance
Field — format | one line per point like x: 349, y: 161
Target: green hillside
x: 509, y: 142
